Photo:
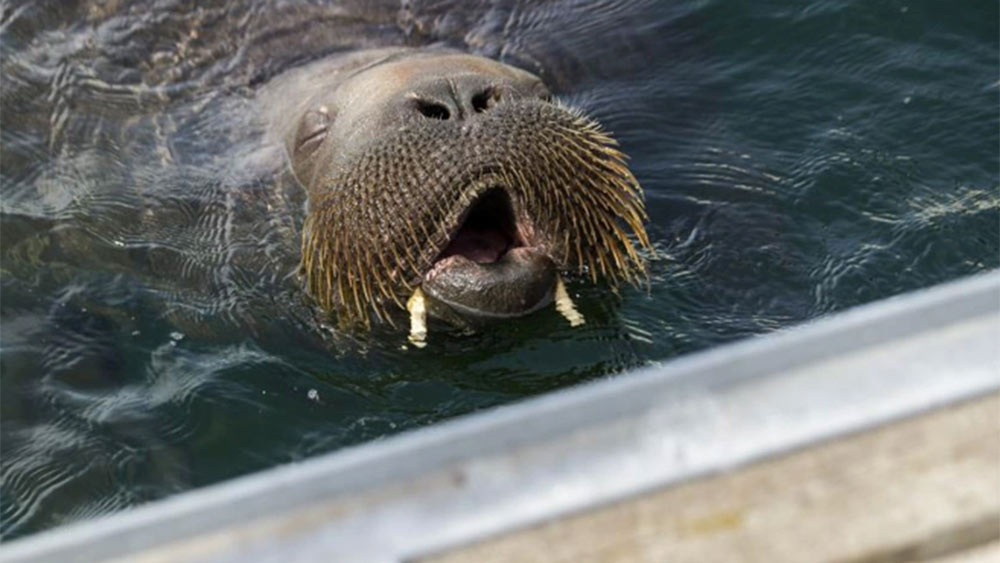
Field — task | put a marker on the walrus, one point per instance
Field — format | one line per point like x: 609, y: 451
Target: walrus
x: 433, y: 174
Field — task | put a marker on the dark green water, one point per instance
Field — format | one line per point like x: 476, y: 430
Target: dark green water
x: 798, y: 158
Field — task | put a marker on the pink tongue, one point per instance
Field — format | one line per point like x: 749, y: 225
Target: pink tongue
x: 480, y: 246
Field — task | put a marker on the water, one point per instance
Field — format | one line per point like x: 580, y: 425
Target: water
x: 798, y: 158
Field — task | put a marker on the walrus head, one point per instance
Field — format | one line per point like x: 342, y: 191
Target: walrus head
x: 460, y: 176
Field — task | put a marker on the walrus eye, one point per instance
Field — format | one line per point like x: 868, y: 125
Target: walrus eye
x: 312, y: 131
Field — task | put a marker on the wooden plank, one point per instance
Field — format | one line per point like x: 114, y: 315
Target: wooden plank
x: 924, y: 487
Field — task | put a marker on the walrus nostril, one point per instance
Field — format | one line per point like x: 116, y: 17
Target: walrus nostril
x: 432, y: 110
x: 485, y: 99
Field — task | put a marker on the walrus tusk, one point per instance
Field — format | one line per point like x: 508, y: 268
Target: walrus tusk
x: 565, y: 305
x: 418, y: 318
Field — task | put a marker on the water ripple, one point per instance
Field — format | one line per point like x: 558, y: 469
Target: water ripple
x: 797, y: 158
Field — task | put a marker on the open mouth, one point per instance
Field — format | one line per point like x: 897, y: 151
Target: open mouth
x: 488, y: 268
x: 488, y: 232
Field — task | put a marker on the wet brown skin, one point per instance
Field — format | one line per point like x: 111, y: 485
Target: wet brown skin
x: 461, y: 176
